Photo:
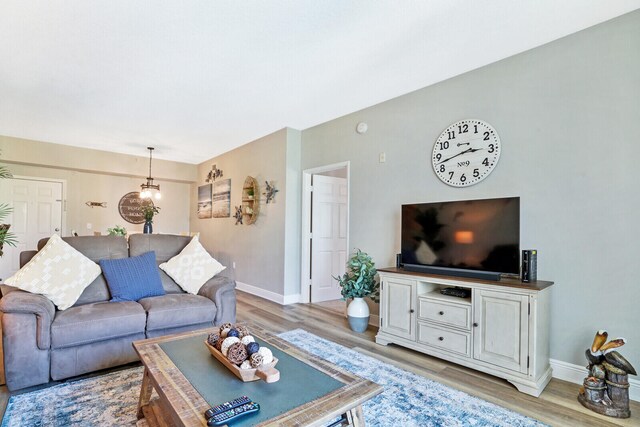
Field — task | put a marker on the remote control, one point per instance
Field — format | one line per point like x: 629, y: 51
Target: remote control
x: 233, y: 414
x: 218, y: 409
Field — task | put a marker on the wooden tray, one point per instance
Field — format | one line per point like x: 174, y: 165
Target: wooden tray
x: 266, y: 372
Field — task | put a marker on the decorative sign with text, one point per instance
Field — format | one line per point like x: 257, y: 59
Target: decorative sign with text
x: 130, y: 207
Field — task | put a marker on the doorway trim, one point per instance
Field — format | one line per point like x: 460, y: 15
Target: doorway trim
x: 63, y: 230
x: 305, y: 262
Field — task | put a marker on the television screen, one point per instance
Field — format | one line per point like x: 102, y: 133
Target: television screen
x: 481, y: 235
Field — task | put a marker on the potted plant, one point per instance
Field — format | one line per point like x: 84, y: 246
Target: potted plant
x: 250, y: 193
x: 149, y: 211
x: 117, y: 231
x: 6, y: 237
x: 358, y: 282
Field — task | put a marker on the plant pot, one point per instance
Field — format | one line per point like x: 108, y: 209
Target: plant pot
x: 358, y: 315
x: 148, y: 228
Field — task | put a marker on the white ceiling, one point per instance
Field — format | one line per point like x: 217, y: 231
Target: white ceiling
x: 198, y: 78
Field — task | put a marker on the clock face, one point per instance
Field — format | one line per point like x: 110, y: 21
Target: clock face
x: 466, y: 153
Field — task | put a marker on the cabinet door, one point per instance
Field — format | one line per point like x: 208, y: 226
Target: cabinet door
x: 398, y: 307
x: 501, y: 329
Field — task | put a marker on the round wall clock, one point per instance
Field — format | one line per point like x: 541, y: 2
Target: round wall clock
x: 466, y: 152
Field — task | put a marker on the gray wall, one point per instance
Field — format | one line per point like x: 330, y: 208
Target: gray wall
x: 568, y: 114
x: 258, y: 249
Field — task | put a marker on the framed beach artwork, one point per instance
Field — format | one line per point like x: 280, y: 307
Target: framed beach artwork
x: 221, y: 200
x: 204, y: 201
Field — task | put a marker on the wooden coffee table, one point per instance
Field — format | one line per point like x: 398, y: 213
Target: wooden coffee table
x: 180, y: 404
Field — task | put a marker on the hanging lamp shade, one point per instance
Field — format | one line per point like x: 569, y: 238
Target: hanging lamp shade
x: 150, y: 190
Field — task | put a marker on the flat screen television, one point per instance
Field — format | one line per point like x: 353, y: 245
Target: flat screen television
x: 470, y: 238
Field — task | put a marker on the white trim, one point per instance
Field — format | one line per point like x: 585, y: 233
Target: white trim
x: 576, y: 373
x: 305, y: 287
x: 271, y: 296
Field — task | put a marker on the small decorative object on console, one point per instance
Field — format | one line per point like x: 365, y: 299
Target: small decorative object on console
x: 606, y: 389
x: 244, y: 357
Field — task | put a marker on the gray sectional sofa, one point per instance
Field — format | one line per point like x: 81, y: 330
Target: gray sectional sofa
x: 42, y: 343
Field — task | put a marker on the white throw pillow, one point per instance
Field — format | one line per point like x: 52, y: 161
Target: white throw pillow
x: 192, y: 267
x: 57, y: 271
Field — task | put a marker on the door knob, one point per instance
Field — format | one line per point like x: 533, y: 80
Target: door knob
x: 411, y: 311
x: 57, y: 229
x: 441, y: 338
x: 441, y: 313
x: 475, y: 325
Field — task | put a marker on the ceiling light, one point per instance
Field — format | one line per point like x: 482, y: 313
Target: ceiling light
x: 149, y: 189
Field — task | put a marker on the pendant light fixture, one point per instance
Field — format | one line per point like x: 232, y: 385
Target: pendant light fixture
x: 149, y: 189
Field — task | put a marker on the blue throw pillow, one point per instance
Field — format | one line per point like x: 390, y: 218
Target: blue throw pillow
x: 133, y: 278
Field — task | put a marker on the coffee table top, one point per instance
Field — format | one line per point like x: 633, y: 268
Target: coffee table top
x: 187, y: 405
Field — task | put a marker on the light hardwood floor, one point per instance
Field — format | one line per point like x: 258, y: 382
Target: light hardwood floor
x: 557, y: 406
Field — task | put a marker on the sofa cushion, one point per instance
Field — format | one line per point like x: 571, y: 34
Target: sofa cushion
x: 130, y: 279
x: 166, y: 247
x: 192, y: 267
x: 58, y: 271
x: 95, y: 322
x: 175, y: 310
x: 96, y: 248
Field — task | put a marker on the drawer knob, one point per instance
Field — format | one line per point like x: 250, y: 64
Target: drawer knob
x: 411, y: 311
x: 475, y: 324
x: 441, y: 338
x: 441, y: 313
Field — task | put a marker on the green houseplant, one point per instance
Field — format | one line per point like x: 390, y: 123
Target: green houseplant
x: 117, y: 231
x: 359, y: 281
x: 149, y: 211
x: 6, y: 237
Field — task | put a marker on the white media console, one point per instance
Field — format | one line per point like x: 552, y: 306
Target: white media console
x: 501, y: 329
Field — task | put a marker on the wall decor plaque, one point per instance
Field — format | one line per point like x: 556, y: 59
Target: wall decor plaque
x: 130, y: 207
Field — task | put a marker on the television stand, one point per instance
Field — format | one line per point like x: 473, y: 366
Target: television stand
x: 501, y: 329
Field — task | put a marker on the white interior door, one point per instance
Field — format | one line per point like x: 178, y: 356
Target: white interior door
x: 328, y: 236
x: 37, y: 213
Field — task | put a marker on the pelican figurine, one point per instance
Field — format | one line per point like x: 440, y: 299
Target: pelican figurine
x: 613, y: 344
x: 616, y: 359
x: 594, y: 354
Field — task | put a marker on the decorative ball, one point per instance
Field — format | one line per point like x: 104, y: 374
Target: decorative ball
x: 246, y: 364
x: 224, y: 332
x: 237, y: 353
x: 213, y: 338
x: 226, y: 326
x: 233, y: 333
x: 228, y: 342
x: 267, y: 356
x: 218, y: 345
x: 256, y: 360
x: 247, y: 339
x: 253, y: 347
x: 243, y: 331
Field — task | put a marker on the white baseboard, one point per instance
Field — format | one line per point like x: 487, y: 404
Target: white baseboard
x: 271, y: 296
x: 576, y: 374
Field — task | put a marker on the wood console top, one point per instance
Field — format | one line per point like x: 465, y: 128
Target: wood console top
x: 510, y: 283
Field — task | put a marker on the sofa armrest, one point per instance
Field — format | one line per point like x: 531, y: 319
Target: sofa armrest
x: 28, y: 303
x: 222, y: 291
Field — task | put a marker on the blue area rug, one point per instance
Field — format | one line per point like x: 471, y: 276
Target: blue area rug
x: 408, y: 399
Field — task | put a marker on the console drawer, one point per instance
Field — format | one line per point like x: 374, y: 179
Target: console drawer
x: 445, y: 313
x: 454, y: 342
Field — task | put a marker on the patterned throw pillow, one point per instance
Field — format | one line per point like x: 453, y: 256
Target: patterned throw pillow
x: 192, y: 267
x: 57, y: 271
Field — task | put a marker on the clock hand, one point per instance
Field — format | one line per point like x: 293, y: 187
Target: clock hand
x: 462, y: 143
x: 468, y: 150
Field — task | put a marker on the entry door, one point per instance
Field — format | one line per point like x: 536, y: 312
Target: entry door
x: 328, y: 236
x: 37, y: 213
